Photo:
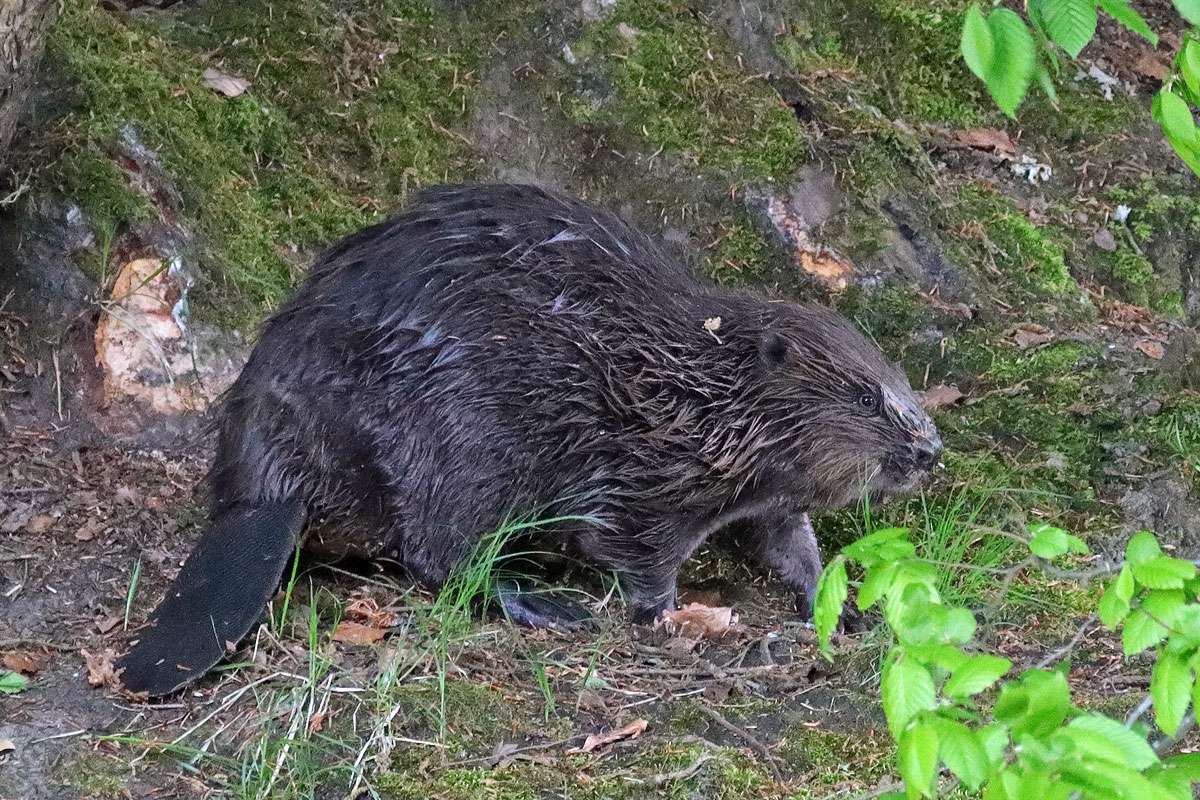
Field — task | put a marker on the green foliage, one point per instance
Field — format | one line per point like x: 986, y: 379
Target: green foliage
x: 1002, y: 52
x: 1034, y: 742
x: 13, y: 683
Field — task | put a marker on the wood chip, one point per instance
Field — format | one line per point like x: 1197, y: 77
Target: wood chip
x: 596, y: 740
x: 1151, y: 348
x: 988, y: 139
x: 39, y: 524
x: 100, y: 670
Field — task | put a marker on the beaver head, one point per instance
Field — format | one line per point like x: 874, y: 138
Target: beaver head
x: 856, y: 426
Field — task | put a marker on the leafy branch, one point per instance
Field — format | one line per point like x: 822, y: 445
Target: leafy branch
x: 1029, y: 740
x: 1008, y: 53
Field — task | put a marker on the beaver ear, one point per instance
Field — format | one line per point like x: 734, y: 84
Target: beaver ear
x: 772, y: 349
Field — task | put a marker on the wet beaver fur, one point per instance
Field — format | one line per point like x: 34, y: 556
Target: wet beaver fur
x: 496, y: 349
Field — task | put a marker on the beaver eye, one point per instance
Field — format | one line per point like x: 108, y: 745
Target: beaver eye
x: 867, y: 401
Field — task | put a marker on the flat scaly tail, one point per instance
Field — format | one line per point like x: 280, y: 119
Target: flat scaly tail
x: 216, y: 599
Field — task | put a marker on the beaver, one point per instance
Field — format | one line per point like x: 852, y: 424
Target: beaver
x: 495, y: 349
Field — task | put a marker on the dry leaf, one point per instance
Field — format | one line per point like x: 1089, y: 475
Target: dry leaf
x: 1149, y: 66
x: 940, y: 396
x: 21, y: 662
x: 226, y: 84
x: 39, y: 524
x: 356, y: 633
x: 316, y: 722
x: 7, y: 746
x: 1151, y: 348
x: 367, y: 611
x: 1104, y: 239
x: 988, y: 139
x: 87, y: 531
x: 697, y: 621
x: 108, y: 623
x: 1029, y: 334
x: 100, y: 670
x: 630, y: 731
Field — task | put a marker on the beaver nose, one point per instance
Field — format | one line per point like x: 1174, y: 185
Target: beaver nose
x: 926, y: 452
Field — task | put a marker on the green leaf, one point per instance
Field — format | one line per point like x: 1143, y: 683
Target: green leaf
x: 1164, y: 572
x: 1070, y: 24
x: 978, y: 46
x: 1189, y: 10
x: 1112, y: 780
x: 1114, y: 605
x: 945, y: 656
x: 1164, y: 606
x: 1036, y: 704
x: 1188, y: 763
x: 832, y: 589
x: 962, y: 752
x: 13, y: 683
x: 994, y: 739
x: 1171, y: 685
x: 1048, y: 542
x: 888, y: 544
x: 1122, y: 12
x: 918, y: 759
x: 1140, y: 632
x: 907, y: 689
x: 1134, y: 749
x: 1189, y: 67
x: 1015, y: 59
x: 1142, y: 547
x: 975, y: 675
x: 876, y: 584
x: 1077, y: 545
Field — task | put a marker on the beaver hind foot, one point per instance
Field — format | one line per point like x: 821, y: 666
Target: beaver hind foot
x: 216, y: 598
x: 531, y: 608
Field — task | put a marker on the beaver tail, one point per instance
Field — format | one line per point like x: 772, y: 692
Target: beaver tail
x: 216, y: 598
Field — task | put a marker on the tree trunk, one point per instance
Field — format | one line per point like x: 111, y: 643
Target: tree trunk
x: 23, y: 28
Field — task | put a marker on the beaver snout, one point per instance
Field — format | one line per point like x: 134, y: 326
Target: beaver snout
x: 926, y: 452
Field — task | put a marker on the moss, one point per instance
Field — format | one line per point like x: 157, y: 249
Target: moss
x: 95, y: 776
x: 1030, y: 258
x: 291, y: 164
x: 1132, y: 274
x: 739, y: 255
x: 678, y: 85
x: 922, y: 77
x: 825, y: 758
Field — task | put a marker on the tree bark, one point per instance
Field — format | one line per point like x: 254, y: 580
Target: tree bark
x: 23, y: 28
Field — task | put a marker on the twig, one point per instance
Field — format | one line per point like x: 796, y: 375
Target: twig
x: 67, y: 735
x: 1138, y: 711
x: 662, y: 779
x: 745, y: 736
x: 1069, y: 646
x: 62, y: 648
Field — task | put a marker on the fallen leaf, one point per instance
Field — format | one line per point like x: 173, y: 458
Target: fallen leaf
x: 697, y: 621
x: 100, y: 671
x: 126, y: 494
x: 594, y: 740
x: 21, y: 662
x: 1149, y: 66
x: 108, y: 623
x: 316, y: 722
x: 940, y: 396
x: 39, y: 524
x: 226, y: 84
x: 988, y: 139
x: 1104, y: 239
x: 1151, y: 348
x: 7, y: 746
x: 1029, y: 334
x: 357, y: 633
x: 367, y: 611
x: 87, y: 531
